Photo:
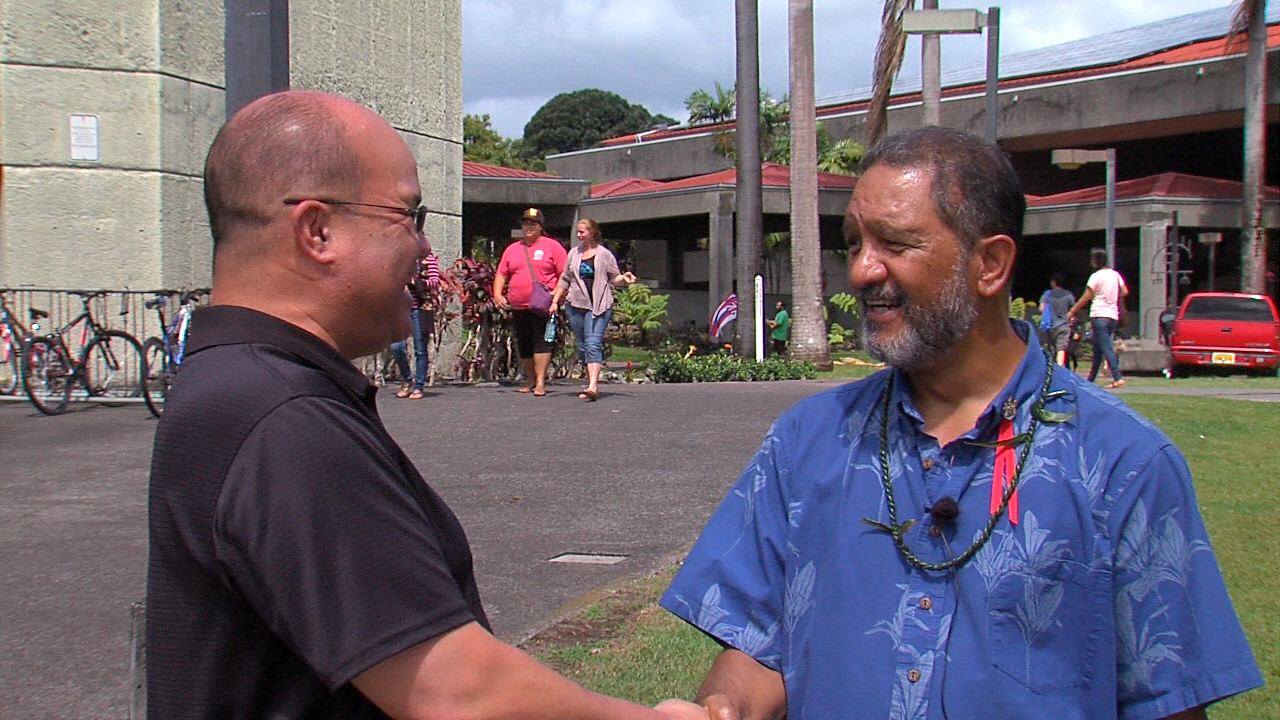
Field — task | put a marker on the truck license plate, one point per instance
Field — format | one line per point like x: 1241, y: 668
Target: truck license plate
x: 1224, y: 358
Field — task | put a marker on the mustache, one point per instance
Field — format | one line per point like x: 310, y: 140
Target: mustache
x: 882, y: 293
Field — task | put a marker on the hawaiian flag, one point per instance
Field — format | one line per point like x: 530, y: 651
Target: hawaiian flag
x: 726, y: 313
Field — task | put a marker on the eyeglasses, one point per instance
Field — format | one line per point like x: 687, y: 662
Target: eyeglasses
x: 419, y: 214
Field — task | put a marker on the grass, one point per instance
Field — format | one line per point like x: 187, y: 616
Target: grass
x: 626, y: 646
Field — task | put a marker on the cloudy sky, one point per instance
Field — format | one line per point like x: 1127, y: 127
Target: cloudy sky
x: 518, y: 54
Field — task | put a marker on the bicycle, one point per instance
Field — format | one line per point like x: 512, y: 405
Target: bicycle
x: 111, y: 367
x: 164, y: 354
x: 13, y: 341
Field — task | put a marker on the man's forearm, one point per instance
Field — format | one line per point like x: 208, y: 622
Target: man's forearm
x: 468, y: 673
x: 740, y: 688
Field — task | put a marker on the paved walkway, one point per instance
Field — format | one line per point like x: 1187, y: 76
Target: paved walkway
x: 635, y: 474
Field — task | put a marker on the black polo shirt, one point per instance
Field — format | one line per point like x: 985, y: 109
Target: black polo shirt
x: 293, y: 545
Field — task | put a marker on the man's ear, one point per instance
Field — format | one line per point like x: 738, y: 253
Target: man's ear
x: 995, y: 256
x: 311, y: 230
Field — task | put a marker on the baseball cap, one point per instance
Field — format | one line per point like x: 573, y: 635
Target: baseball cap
x: 535, y: 215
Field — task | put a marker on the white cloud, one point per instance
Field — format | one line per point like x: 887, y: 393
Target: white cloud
x: 518, y: 54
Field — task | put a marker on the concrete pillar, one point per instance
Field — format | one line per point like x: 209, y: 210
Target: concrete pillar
x: 1151, y: 285
x: 720, y: 245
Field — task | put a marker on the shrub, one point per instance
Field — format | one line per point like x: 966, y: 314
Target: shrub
x: 637, y: 310
x: 722, y: 367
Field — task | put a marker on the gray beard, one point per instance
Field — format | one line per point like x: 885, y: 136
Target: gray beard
x: 928, y: 332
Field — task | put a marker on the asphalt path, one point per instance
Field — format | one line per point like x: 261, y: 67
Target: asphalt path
x: 635, y: 474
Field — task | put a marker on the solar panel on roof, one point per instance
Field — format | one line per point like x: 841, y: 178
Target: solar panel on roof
x: 1106, y: 49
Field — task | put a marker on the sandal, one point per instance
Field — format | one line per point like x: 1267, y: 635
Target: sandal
x: 525, y: 390
x: 539, y: 393
x: 591, y: 395
x: 404, y: 390
x: 1115, y: 384
x: 416, y: 394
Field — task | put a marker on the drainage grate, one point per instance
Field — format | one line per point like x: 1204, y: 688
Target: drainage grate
x: 588, y: 558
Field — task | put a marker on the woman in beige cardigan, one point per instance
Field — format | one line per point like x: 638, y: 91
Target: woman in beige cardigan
x: 589, y: 277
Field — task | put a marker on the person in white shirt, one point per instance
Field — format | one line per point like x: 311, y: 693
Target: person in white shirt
x: 1105, y: 296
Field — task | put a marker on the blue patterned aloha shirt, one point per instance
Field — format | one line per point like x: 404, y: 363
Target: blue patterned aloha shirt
x: 1103, y: 601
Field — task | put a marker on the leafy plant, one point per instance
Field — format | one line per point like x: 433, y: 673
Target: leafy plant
x: 488, y: 349
x: 723, y: 367
x: 637, y: 309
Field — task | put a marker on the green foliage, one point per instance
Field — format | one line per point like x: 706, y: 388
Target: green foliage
x: 481, y: 143
x: 837, y: 335
x: 705, y: 109
x: 840, y: 157
x: 846, y: 302
x: 722, y: 367
x: 580, y: 119
x: 636, y: 309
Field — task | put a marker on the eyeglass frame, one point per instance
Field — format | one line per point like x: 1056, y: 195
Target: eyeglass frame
x: 419, y: 214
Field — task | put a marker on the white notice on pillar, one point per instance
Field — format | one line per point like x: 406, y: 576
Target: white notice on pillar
x: 85, y: 138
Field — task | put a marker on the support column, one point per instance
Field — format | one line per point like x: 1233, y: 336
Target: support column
x: 720, y: 248
x: 256, y: 50
x: 1152, y: 285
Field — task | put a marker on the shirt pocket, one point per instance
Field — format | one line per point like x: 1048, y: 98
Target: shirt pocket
x: 1045, y: 624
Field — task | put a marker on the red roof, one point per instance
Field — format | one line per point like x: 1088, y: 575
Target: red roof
x: 771, y: 175
x: 1170, y: 184
x: 475, y: 169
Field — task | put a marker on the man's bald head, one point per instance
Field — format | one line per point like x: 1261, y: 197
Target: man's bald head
x: 289, y: 144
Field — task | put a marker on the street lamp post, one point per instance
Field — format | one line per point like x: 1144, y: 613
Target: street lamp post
x: 931, y: 23
x: 1071, y: 159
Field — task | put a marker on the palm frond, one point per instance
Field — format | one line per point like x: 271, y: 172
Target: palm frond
x: 889, y: 50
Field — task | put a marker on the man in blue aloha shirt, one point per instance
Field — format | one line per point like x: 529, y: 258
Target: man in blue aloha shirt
x: 972, y: 533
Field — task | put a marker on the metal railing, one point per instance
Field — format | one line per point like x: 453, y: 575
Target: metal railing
x: 119, y: 310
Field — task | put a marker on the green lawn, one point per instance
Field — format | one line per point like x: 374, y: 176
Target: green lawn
x: 626, y: 646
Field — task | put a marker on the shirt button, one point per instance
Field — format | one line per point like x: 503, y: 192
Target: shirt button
x: 926, y: 603
x: 927, y: 463
x: 913, y: 675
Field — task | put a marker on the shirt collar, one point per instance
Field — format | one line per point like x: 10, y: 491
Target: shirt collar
x: 1022, y: 388
x: 232, y: 325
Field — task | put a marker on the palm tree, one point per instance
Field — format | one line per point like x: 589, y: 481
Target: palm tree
x: 1250, y: 18
x: 889, y: 50
x: 706, y: 109
x: 749, y: 198
x: 808, y: 328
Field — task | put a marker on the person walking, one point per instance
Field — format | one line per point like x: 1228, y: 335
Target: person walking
x: 535, y: 260
x: 590, y: 275
x: 781, y: 329
x: 1055, y: 303
x: 422, y: 317
x: 1104, y: 294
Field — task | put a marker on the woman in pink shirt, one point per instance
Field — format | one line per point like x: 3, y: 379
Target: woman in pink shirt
x: 513, y: 288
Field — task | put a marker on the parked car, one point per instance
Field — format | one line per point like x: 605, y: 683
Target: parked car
x: 1225, y: 330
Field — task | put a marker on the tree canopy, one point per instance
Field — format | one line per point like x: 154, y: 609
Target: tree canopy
x: 481, y: 143
x: 580, y: 119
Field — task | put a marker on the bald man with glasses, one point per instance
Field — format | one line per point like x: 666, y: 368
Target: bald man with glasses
x: 300, y: 566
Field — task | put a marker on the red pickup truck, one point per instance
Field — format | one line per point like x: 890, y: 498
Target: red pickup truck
x: 1226, y: 330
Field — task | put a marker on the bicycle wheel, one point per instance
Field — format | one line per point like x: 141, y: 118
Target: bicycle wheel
x: 114, y: 368
x: 46, y: 376
x: 159, y: 374
x: 10, y: 362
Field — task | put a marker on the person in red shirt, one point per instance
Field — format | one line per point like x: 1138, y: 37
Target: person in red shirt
x: 513, y: 288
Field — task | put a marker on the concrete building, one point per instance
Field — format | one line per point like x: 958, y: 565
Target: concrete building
x: 108, y: 108
x: 1167, y: 96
